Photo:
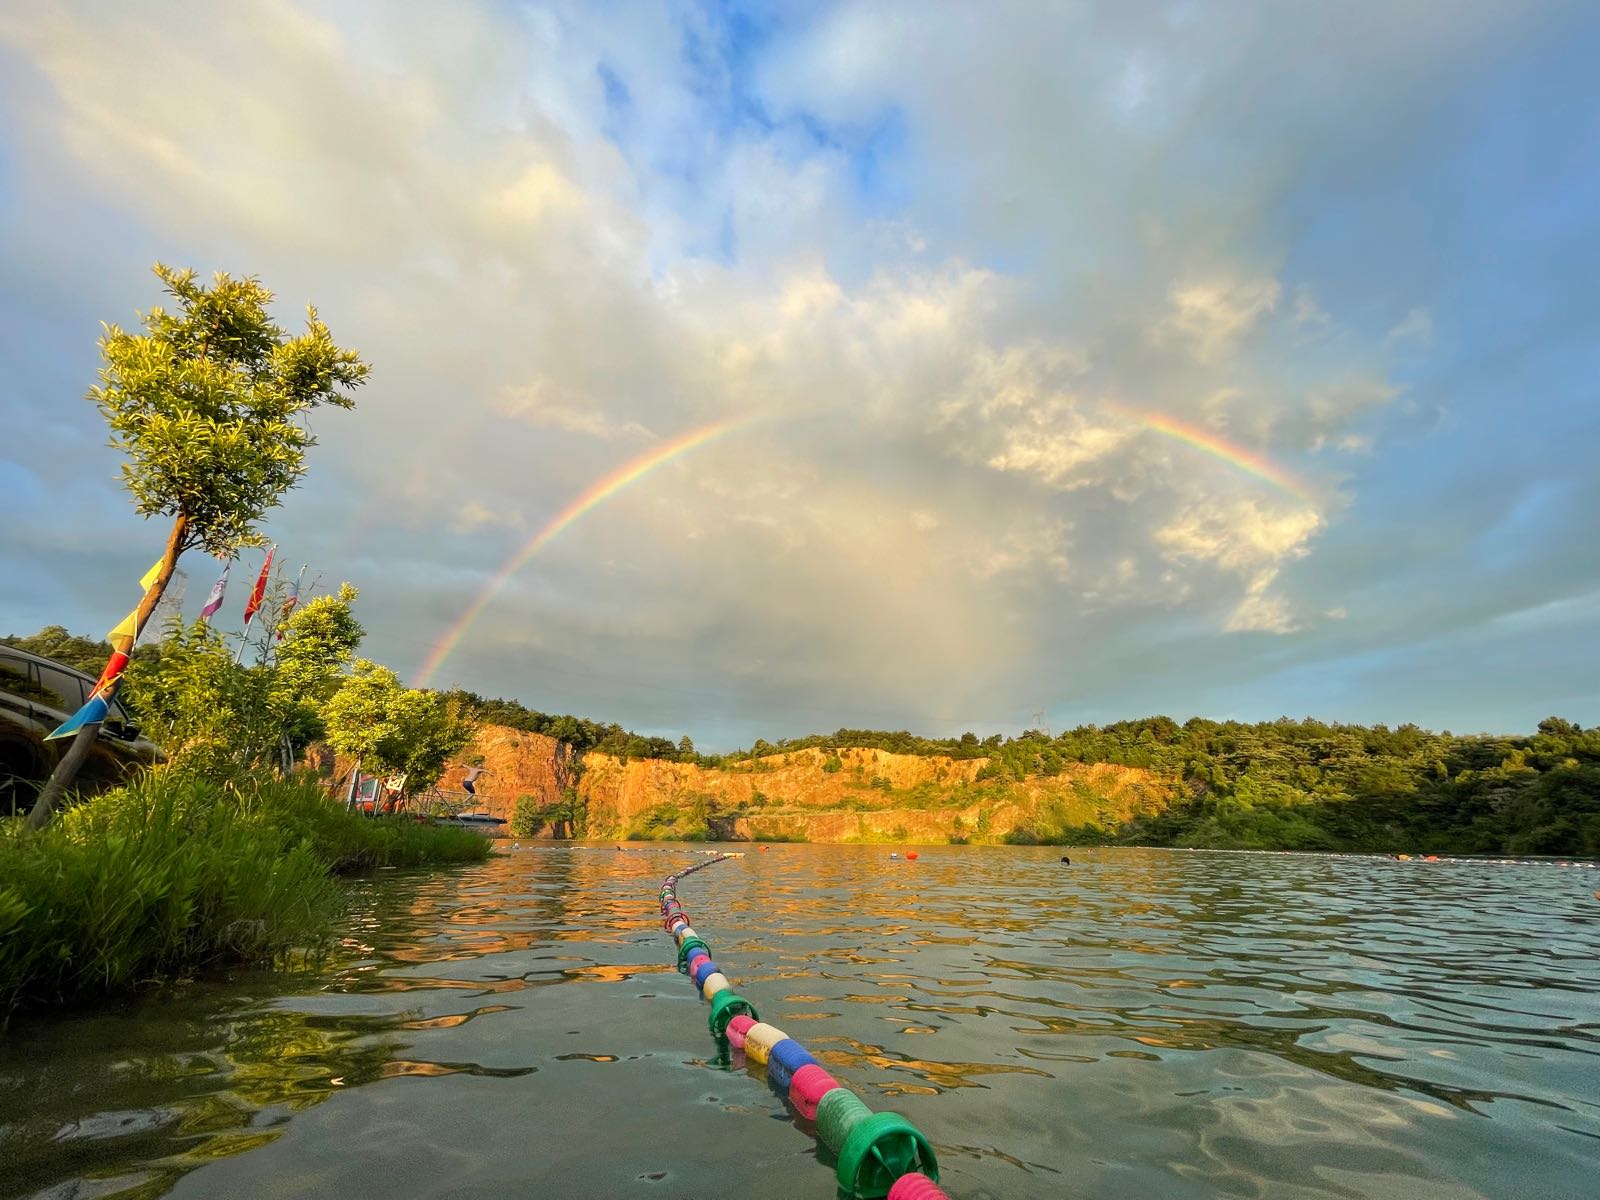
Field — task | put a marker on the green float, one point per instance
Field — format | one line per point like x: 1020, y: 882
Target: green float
x: 684, y: 948
x: 725, y: 1006
x: 879, y: 1150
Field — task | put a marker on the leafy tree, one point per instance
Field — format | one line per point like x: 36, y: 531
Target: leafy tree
x: 320, y: 638
x: 209, y: 404
x: 81, y: 653
x: 394, y: 729
x: 213, y: 717
x: 526, y: 817
x: 220, y: 719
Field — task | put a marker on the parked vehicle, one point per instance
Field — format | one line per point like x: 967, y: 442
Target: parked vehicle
x: 36, y: 695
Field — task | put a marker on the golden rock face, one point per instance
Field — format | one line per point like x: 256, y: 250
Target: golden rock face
x: 814, y: 795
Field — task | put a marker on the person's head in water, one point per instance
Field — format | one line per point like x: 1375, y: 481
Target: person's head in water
x: 1066, y: 860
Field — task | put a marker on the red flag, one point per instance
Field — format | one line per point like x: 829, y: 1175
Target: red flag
x: 254, y: 606
x: 115, y: 665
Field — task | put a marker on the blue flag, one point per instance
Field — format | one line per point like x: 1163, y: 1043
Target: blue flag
x: 95, y: 710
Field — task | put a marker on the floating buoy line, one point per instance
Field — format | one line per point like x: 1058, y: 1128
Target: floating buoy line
x: 881, y: 1155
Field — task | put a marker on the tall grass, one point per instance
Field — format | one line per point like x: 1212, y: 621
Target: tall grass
x: 171, y: 875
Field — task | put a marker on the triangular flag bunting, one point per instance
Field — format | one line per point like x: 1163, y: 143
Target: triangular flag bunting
x: 95, y: 710
x: 122, y: 639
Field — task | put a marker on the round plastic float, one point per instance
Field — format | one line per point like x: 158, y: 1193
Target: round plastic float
x: 684, y: 949
x: 917, y: 1186
x: 787, y: 1057
x: 838, y: 1112
x: 880, y: 1150
x: 810, y: 1084
x: 760, y: 1040
x: 725, y: 1006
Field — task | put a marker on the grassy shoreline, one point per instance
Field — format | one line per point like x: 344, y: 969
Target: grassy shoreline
x: 169, y: 876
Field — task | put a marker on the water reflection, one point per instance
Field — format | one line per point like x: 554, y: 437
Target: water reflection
x: 1158, y: 1024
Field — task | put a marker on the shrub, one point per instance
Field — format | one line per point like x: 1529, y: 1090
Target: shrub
x: 173, y: 874
x: 526, y: 817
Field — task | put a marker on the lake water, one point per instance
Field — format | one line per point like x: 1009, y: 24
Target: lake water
x: 1151, y: 1024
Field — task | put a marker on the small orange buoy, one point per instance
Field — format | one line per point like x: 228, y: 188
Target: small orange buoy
x: 763, y: 847
x: 911, y: 853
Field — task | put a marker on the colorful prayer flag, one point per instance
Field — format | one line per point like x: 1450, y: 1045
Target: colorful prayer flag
x: 127, y: 629
x: 254, y: 605
x: 94, y: 711
x: 115, y: 665
x: 218, y: 590
x: 122, y: 639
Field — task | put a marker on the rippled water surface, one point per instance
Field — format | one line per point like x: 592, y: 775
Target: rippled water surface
x: 1141, y: 1024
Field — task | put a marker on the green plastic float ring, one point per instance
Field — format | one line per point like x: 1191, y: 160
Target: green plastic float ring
x: 880, y: 1149
x: 725, y: 1006
x: 683, y: 953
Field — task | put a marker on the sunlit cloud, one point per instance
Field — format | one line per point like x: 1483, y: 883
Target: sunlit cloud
x: 1031, y: 322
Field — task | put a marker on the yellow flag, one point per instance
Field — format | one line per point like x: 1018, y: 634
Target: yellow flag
x: 126, y: 628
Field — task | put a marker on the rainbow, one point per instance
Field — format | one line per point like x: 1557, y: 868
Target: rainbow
x: 1244, y: 459
x: 593, y: 496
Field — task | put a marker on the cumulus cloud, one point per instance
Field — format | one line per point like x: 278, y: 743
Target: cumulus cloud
x: 936, y: 273
x: 532, y: 404
x: 1210, y: 319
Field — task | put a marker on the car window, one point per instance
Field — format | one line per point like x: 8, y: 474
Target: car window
x: 16, y: 678
x: 60, y: 689
x: 117, y: 716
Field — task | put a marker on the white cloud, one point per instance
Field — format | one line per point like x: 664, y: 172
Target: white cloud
x: 473, y: 516
x: 532, y: 405
x: 1415, y: 329
x: 940, y: 450
x: 1260, y: 611
x: 1211, y: 318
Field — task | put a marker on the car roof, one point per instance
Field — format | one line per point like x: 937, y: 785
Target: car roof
x: 49, y: 662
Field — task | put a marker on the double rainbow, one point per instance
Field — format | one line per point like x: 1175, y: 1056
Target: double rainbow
x: 596, y: 494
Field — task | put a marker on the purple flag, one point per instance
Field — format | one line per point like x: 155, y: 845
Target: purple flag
x: 214, y: 601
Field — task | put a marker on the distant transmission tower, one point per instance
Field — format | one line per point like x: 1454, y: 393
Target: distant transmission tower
x: 169, y: 606
x: 1038, y: 722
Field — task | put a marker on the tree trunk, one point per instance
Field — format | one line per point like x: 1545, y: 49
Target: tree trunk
x: 77, y: 754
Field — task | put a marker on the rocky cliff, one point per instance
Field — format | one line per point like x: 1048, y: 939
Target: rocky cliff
x: 805, y: 795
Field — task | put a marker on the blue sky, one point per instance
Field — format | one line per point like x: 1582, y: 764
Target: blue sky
x: 940, y: 265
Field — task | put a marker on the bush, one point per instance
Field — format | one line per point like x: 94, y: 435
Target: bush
x: 172, y: 875
x: 526, y: 817
x: 299, y: 812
